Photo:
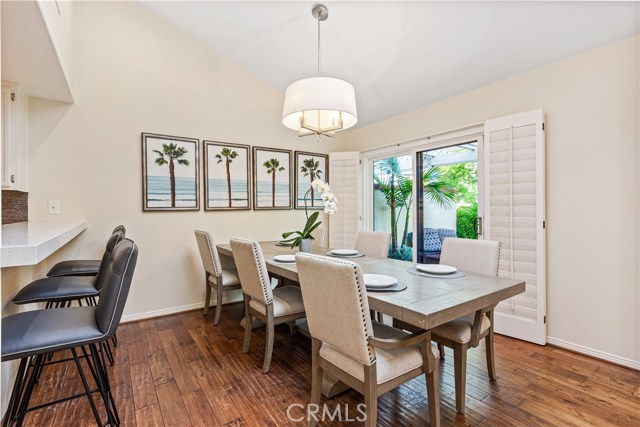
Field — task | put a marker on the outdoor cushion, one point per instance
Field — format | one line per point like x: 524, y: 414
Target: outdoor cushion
x: 446, y: 232
x: 432, y: 241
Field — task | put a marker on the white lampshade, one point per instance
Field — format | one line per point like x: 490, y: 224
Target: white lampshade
x: 321, y: 100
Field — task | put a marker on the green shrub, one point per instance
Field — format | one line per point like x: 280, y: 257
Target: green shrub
x: 404, y: 253
x: 465, y: 221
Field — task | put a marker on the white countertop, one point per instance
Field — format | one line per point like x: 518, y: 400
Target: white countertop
x: 28, y: 243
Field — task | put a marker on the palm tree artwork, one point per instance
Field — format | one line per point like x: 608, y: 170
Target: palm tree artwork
x: 171, y: 154
x: 227, y: 155
x: 273, y: 166
x: 310, y: 167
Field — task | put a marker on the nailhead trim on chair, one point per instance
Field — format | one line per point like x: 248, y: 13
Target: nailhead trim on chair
x: 267, y: 298
x: 499, y: 253
x: 216, y: 267
x: 372, y: 358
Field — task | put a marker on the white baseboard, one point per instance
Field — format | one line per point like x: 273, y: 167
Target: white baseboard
x: 633, y: 364
x: 174, y: 310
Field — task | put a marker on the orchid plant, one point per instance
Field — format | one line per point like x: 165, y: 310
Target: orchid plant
x: 330, y: 202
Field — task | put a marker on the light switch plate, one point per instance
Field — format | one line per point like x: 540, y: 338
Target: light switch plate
x: 54, y: 207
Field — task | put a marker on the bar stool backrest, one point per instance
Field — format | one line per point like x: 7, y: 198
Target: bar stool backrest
x: 115, y: 238
x: 117, y: 282
x: 120, y: 228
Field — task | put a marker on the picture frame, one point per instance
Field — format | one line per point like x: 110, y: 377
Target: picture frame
x: 163, y: 190
x: 227, y: 176
x: 272, y: 179
x: 309, y: 166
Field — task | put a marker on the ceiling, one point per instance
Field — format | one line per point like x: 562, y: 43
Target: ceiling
x: 401, y: 55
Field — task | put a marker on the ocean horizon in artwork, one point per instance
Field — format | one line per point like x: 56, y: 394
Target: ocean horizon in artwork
x: 302, y: 189
x: 218, y: 196
x: 159, y: 192
x: 264, y: 194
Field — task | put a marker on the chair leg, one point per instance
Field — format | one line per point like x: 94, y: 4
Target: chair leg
x: 460, y: 371
x: 371, y: 396
x: 86, y: 387
x: 16, y: 393
x: 101, y: 378
x: 441, y: 351
x: 23, y: 403
x: 292, y: 328
x: 268, y: 351
x: 433, y: 396
x: 316, y: 382
x: 491, y: 363
x: 248, y: 323
x: 207, y: 300
x: 219, y: 295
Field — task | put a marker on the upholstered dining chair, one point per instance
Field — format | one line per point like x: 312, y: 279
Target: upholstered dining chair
x: 320, y: 237
x: 215, y: 276
x: 368, y: 356
x: 273, y: 306
x: 477, y: 257
x: 373, y: 243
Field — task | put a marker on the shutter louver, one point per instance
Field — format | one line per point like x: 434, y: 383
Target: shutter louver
x: 343, y: 179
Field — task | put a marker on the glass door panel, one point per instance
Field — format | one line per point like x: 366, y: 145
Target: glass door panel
x: 448, y: 201
x: 392, y: 202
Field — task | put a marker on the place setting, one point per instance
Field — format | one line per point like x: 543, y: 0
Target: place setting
x: 284, y: 259
x: 345, y: 253
x: 439, y: 271
x: 382, y: 283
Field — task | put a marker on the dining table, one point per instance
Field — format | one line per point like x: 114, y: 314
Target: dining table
x: 426, y: 302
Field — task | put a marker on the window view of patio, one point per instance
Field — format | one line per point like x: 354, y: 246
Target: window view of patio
x: 449, y: 204
x: 392, y: 203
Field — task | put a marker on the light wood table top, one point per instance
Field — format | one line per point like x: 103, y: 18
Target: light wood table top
x: 426, y: 303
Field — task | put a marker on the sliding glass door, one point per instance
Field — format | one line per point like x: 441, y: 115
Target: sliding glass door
x: 447, y: 198
x: 392, y: 200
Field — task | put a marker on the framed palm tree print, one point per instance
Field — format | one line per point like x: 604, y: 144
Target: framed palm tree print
x: 170, y: 173
x: 309, y: 166
x: 272, y: 178
x: 226, y: 176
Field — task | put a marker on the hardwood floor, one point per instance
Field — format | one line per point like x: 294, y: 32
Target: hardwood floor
x: 183, y: 371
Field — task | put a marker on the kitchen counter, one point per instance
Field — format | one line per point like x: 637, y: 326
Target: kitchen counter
x: 28, y: 243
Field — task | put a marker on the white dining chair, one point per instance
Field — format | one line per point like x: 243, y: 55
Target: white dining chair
x: 215, y: 276
x: 273, y: 306
x: 476, y: 257
x: 370, y: 357
x: 320, y: 237
x: 373, y: 243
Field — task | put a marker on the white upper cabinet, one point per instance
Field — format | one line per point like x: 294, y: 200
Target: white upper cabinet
x: 38, y: 47
x: 14, y: 137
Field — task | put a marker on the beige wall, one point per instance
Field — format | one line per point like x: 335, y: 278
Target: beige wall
x: 137, y: 73
x: 591, y: 105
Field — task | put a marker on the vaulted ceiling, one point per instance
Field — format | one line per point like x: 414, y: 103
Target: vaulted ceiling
x: 401, y: 55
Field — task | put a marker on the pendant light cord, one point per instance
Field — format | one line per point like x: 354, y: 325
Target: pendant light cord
x: 318, y: 47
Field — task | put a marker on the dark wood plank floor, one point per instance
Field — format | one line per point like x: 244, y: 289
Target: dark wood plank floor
x: 181, y: 371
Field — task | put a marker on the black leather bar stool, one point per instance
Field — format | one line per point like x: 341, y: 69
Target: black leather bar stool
x: 31, y: 335
x: 80, y: 267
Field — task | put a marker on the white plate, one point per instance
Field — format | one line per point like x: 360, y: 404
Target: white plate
x: 436, y: 268
x: 344, y: 252
x: 285, y: 258
x: 379, y: 280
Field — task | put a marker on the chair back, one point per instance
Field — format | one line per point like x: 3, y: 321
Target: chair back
x: 471, y: 256
x: 113, y: 241
x: 208, y: 253
x: 117, y: 282
x: 252, y: 270
x: 335, y: 302
x: 120, y: 228
x: 373, y: 243
x: 320, y: 236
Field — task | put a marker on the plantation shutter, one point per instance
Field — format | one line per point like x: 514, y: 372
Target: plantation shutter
x: 344, y: 181
x: 515, y: 215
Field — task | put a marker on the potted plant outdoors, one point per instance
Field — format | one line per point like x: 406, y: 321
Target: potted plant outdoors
x: 304, y: 239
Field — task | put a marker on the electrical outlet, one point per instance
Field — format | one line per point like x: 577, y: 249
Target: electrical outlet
x: 54, y: 207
